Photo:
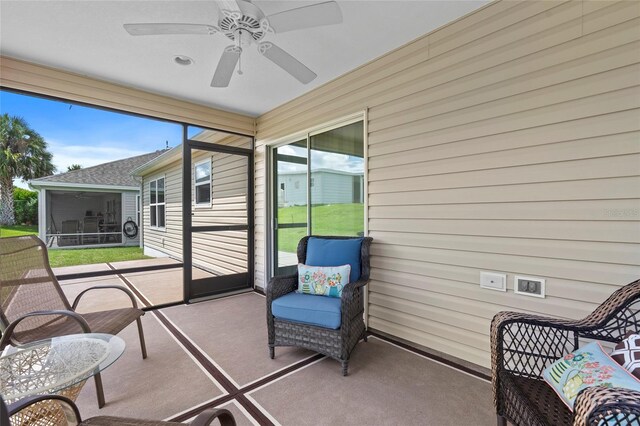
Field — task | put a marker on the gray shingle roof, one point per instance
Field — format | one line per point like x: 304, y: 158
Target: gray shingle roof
x: 116, y: 173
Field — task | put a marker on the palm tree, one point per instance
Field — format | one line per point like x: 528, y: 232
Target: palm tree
x: 74, y: 167
x: 23, y: 154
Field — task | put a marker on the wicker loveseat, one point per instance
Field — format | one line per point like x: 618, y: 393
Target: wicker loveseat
x: 523, y: 345
x: 335, y: 343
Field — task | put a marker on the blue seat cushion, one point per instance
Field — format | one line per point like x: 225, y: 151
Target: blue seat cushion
x: 308, y: 309
x: 330, y: 252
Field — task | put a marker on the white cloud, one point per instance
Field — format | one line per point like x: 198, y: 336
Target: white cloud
x: 342, y: 162
x: 87, y: 156
x: 320, y: 160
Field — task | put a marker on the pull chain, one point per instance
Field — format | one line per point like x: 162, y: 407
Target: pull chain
x: 240, y: 57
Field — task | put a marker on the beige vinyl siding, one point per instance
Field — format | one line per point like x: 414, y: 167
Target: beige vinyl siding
x: 506, y: 141
x: 218, y: 252
x: 20, y: 75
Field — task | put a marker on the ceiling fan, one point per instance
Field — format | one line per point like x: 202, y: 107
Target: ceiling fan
x: 244, y: 23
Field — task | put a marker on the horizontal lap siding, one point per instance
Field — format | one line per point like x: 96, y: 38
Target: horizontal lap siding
x: 506, y: 141
x: 219, y: 252
x: 168, y: 240
x: 223, y: 252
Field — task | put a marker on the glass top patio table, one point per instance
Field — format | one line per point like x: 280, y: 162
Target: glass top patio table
x: 51, y: 365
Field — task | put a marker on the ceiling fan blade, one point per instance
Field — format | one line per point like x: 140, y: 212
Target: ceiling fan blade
x: 159, y: 29
x: 286, y: 62
x: 226, y: 65
x: 326, y: 13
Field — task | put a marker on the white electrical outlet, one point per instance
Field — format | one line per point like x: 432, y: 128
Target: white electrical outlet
x: 493, y: 281
x: 529, y: 286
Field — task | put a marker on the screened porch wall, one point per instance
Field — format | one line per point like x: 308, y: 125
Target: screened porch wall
x: 76, y: 205
x: 505, y: 141
x: 217, y: 252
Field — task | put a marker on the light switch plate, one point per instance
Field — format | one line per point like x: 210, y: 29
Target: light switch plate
x: 529, y: 286
x: 493, y: 281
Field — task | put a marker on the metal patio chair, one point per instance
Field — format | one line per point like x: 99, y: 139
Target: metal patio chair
x: 335, y: 343
x: 69, y: 227
x: 90, y: 231
x: 45, y: 410
x: 33, y: 306
x: 522, y: 345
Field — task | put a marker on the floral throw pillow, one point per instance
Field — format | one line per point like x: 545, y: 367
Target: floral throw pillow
x: 585, y: 367
x: 323, y: 280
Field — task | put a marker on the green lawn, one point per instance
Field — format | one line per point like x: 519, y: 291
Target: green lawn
x: 70, y: 257
x: 330, y: 219
x: 81, y: 256
x: 17, y: 230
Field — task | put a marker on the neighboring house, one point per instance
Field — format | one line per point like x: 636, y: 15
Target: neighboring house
x: 89, y: 206
x: 328, y: 186
x: 219, y: 197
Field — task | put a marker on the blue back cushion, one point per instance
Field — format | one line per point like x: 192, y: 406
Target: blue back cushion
x: 329, y: 252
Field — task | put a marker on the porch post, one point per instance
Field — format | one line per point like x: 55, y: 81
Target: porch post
x: 186, y: 215
x: 42, y: 214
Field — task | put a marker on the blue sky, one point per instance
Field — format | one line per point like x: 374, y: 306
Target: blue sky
x: 88, y: 136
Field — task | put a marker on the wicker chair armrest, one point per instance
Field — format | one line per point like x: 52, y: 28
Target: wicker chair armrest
x: 69, y: 407
x: 525, y: 351
x: 279, y: 286
x: 350, y: 302
x: 99, y: 287
x: 506, y: 317
x: 206, y: 417
x: 597, y: 405
x: 6, y: 334
x: 351, y: 290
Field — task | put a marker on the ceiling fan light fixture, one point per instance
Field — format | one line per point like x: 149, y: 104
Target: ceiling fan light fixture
x: 183, y: 60
x: 245, y: 24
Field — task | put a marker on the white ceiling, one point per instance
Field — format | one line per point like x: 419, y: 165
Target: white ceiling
x: 87, y: 37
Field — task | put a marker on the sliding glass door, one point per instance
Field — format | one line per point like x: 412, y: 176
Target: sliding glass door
x: 290, y: 167
x: 318, y: 189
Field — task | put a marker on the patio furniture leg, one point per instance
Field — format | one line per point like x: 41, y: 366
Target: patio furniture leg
x: 272, y: 352
x: 99, y: 390
x: 143, y: 346
x: 345, y: 368
x: 501, y: 420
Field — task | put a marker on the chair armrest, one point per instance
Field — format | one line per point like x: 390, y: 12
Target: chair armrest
x: 525, y: 344
x: 206, y: 417
x: 351, y: 303
x: 6, y: 334
x: 279, y: 286
x: 98, y: 287
x: 69, y: 407
x: 597, y: 405
x: 349, y: 289
x: 520, y: 334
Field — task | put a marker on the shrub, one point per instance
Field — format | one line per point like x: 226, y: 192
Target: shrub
x: 25, y: 204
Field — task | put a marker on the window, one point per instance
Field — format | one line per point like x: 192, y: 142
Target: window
x: 329, y: 166
x: 202, y: 183
x: 156, y: 203
x: 138, y: 210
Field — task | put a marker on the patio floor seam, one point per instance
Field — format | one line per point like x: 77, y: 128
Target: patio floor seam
x: 240, y: 394
x: 233, y: 392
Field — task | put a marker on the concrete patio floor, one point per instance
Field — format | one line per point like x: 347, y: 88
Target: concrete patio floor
x: 158, y: 287
x: 214, y: 354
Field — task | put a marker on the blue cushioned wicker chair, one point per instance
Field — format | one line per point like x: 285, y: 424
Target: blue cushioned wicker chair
x: 329, y: 325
